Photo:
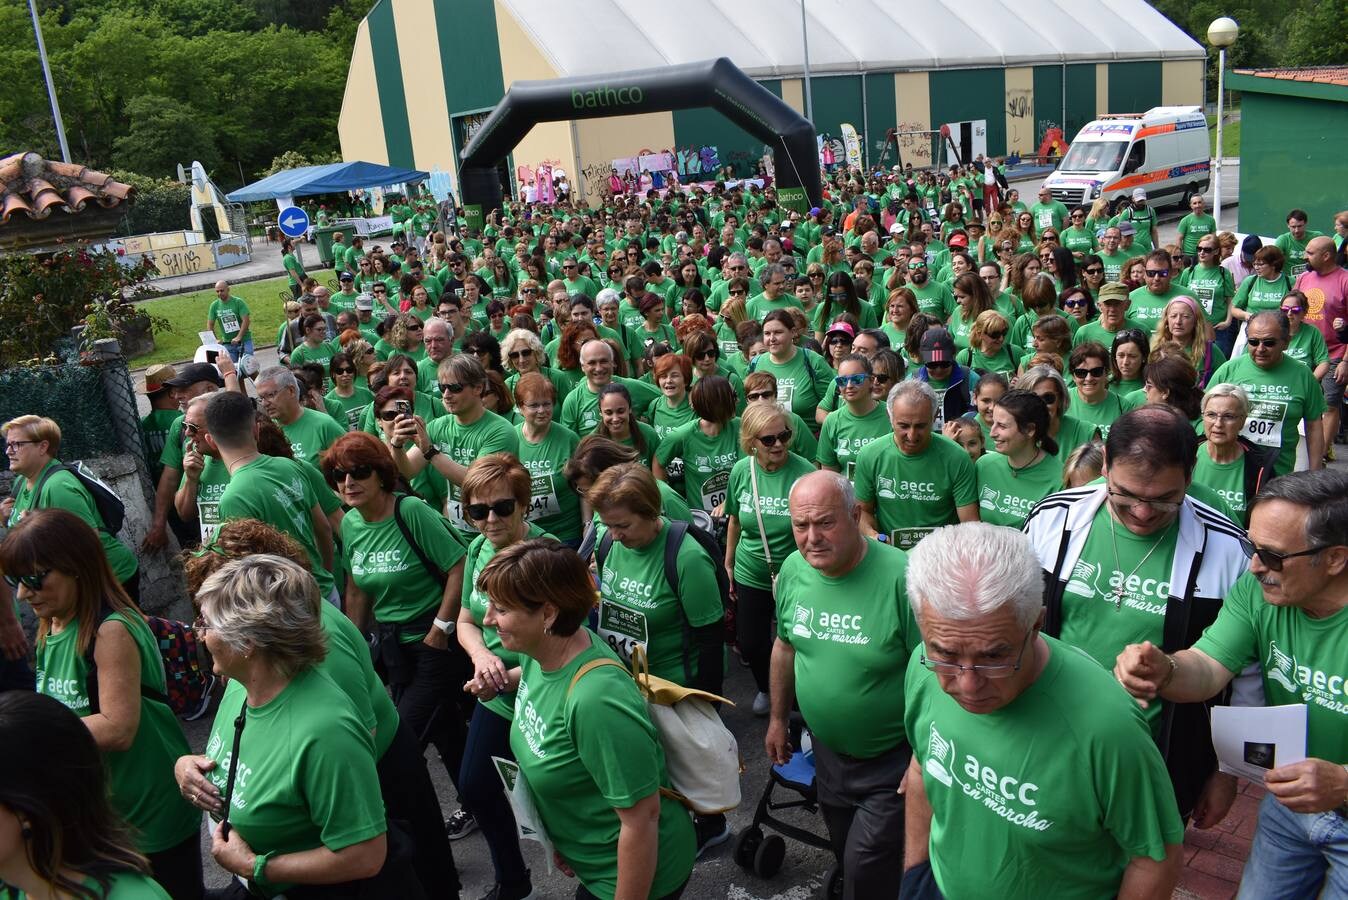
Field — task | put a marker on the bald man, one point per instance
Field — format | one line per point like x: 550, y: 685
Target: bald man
x: 1325, y: 284
x: 233, y: 317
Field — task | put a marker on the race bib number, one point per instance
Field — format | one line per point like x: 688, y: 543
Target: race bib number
x: 907, y: 538
x: 1045, y: 219
x: 1263, y: 426
x: 714, y: 490
x: 674, y: 469
x: 353, y: 418
x: 786, y: 389
x: 1204, y: 293
x: 622, y: 628
x: 543, y: 496
x: 228, y: 321
x: 208, y: 516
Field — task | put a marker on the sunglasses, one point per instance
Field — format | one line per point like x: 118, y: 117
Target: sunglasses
x: 1273, y: 560
x: 939, y: 365
x: 994, y: 222
x: 519, y: 354
x: 1157, y: 273
x: 528, y: 290
x: 478, y: 512
x: 1262, y: 342
x: 816, y: 274
x: 416, y: 327
x: 771, y: 440
x: 451, y: 387
x: 1093, y: 372
x: 345, y: 371
x: 994, y: 335
x: 360, y: 473
x: 917, y: 265
x: 839, y: 339
x: 1049, y: 399
x: 705, y: 354
x: 739, y: 291
x: 882, y: 378
x: 762, y: 395
x: 34, y: 580
x: 1290, y: 310
x: 1207, y: 249
x: 847, y: 381
x: 1075, y: 302
x: 1095, y: 270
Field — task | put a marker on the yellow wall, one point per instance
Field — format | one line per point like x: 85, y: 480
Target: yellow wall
x: 604, y: 140
x: 521, y: 61
x: 1020, y: 113
x: 427, y: 107
x: 1182, y: 82
x: 793, y: 92
x: 1101, y: 88
x: 912, y: 101
x: 360, y: 127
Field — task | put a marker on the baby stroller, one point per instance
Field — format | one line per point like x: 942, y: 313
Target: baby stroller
x: 762, y: 854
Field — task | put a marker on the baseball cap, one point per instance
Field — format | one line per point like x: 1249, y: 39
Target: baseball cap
x: 365, y: 301
x: 346, y: 276
x: 959, y: 240
x: 937, y: 346
x: 1139, y: 194
x: 827, y: 230
x: 1127, y: 228
x: 194, y: 372
x: 1113, y: 292
x: 841, y: 328
x: 896, y: 228
x: 1250, y: 246
x: 156, y: 378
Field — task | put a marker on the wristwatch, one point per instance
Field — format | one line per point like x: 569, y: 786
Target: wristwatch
x: 430, y: 453
x: 446, y: 625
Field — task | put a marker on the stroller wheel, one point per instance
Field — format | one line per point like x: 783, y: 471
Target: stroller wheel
x: 768, y: 858
x: 745, y: 846
x: 833, y: 883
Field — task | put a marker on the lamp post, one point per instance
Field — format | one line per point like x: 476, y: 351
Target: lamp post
x: 1221, y: 34
x: 805, y: 45
x: 51, y: 88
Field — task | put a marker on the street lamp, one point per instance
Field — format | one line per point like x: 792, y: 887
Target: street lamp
x: 805, y: 46
x: 51, y: 87
x: 1221, y: 34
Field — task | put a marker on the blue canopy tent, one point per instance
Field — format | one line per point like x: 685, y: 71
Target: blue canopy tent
x: 329, y: 179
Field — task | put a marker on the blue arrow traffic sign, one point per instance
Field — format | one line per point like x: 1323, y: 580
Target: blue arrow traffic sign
x: 294, y: 222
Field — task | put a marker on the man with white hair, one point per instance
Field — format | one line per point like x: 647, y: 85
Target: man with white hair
x: 1033, y: 774
x: 309, y: 431
x: 438, y: 338
x: 844, y: 636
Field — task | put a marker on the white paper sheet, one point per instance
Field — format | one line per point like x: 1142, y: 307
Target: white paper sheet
x: 527, y: 820
x: 1250, y: 740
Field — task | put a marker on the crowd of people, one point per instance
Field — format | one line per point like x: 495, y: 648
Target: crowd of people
x: 957, y: 479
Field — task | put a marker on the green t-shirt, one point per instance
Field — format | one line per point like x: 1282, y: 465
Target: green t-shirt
x: 123, y: 886
x: 1295, y: 250
x: 311, y: 434
x: 852, y: 636
x: 1301, y: 658
x: 352, y: 407
x: 1079, y: 240
x: 294, y: 271
x: 211, y: 486
x: 554, y: 506
x: 1072, y: 433
x: 1213, y: 288
x: 386, y: 567
x: 1004, y: 362
x: 1054, y: 793
x: 1226, y: 479
x: 802, y: 382
x: 321, y: 354
x: 1102, y: 414
x: 1114, y: 598
x: 228, y: 315
x: 587, y: 752
x: 1113, y: 264
x: 707, y: 461
x: 844, y: 434
x: 277, y: 491
x: 154, y: 433
x: 63, y: 490
x: 580, y: 409
x: 912, y: 495
x: 306, y: 769
x: 1257, y: 294
x: 476, y: 602
x: 1280, y: 398
x: 759, y: 306
x: 1005, y: 497
x: 140, y: 778
x: 666, y: 419
x: 1095, y: 331
x: 638, y: 607
x: 1048, y: 215
x: 774, y: 490
x: 934, y: 298
x: 1147, y: 309
x: 1308, y: 346
x: 1192, y: 228
x: 463, y: 444
x: 349, y: 665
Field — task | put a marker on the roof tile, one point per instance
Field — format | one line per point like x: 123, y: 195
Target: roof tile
x: 36, y: 186
x: 1337, y: 75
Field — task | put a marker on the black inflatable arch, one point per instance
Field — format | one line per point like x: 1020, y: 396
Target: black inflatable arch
x: 717, y: 83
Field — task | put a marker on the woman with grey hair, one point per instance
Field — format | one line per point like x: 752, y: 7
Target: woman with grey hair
x: 1068, y: 431
x: 1229, y: 463
x: 294, y: 764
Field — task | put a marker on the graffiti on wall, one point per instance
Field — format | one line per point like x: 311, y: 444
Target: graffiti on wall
x: 915, y: 143
x: 1019, y: 114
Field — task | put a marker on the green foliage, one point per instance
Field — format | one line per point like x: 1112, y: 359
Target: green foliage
x: 148, y: 84
x: 161, y: 204
x: 294, y: 160
x: 43, y: 296
x: 186, y: 315
x: 1318, y: 34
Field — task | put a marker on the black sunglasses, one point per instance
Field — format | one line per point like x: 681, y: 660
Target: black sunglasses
x: 1093, y: 372
x: 478, y: 512
x: 770, y: 440
x: 451, y: 387
x: 34, y: 580
x: 520, y: 354
x: 1273, y: 560
x: 360, y: 473
x: 1262, y: 342
x: 344, y: 371
x: 762, y: 395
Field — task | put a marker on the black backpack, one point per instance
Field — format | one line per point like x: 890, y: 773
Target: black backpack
x: 110, y: 507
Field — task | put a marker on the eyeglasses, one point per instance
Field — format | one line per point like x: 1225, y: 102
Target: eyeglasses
x: 342, y: 371
x: 994, y: 335
x: 1095, y: 270
x: 994, y: 222
x: 993, y: 671
x: 1078, y: 216
x: 1129, y: 502
x: 837, y: 295
x: 567, y: 266
x: 762, y: 395
x: 771, y: 440
x: 1273, y: 560
x: 479, y: 511
x: 1158, y: 273
x: 388, y: 415
x: 416, y: 327
x: 1093, y: 372
x: 1207, y: 249
x: 14, y: 445
x: 882, y: 378
x: 34, y: 580
x: 1221, y: 418
x: 1075, y: 302
x: 847, y: 381
x: 916, y: 264
x: 839, y: 339
x: 816, y: 274
x: 451, y: 387
x: 705, y: 354
x: 520, y: 354
x: 360, y: 473
x: 528, y: 290
x: 1262, y: 342
x: 1049, y: 399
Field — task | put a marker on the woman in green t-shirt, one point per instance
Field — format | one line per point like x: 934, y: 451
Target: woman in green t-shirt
x: 988, y: 349
x: 1233, y: 467
x: 802, y: 375
x: 672, y: 374
x: 292, y: 761
x: 1024, y: 468
x: 350, y: 397
x: 1092, y: 400
x: 583, y: 738
x: 708, y: 445
x: 295, y: 273
x: 97, y: 656
x: 1067, y: 431
x: 544, y: 449
x: 973, y: 299
x: 496, y: 496
x: 69, y: 837
x: 405, y: 578
x: 618, y: 422
x: 1128, y: 357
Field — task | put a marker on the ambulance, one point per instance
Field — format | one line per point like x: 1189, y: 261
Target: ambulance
x: 1164, y: 151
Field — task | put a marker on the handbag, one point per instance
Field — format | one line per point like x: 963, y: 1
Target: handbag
x: 762, y: 535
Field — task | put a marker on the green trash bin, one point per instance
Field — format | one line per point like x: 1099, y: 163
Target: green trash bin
x: 323, y: 238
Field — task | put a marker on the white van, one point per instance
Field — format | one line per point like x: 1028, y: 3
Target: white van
x: 1164, y: 151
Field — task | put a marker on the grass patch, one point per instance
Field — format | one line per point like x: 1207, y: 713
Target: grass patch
x: 187, y: 313
x: 1230, y: 137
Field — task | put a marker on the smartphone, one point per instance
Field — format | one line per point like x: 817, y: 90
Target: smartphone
x: 404, y: 407
x: 212, y: 356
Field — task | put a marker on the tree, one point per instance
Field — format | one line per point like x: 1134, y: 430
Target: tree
x: 160, y: 134
x: 1317, y: 35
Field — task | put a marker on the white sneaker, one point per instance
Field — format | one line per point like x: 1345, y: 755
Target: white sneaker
x: 761, y: 704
